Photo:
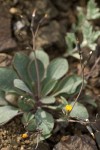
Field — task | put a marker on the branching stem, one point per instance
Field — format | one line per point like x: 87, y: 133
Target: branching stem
x: 35, y: 59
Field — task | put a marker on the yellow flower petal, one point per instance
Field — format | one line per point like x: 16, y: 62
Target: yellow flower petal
x: 68, y: 108
x: 25, y: 135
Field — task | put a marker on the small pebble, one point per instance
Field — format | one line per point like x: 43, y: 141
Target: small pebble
x: 22, y: 148
x: 13, y: 10
x: 27, y: 141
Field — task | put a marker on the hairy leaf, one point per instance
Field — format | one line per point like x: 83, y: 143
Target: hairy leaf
x: 93, y: 12
x: 89, y: 36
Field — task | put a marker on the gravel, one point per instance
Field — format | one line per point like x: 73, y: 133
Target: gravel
x: 11, y: 137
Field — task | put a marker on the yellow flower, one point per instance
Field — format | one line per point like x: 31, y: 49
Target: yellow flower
x: 68, y: 108
x: 25, y: 135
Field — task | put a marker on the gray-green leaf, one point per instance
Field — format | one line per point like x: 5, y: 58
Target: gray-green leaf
x: 57, y: 68
x: 42, y: 56
x: 20, y: 64
x: 48, y: 100
x: 70, y: 39
x: 33, y: 72
x: 93, y: 12
x: 29, y: 121
x: 47, y: 86
x: 89, y: 36
x: 7, y: 113
x: 79, y: 111
x: 68, y: 85
x: 25, y: 104
x: 45, y: 122
x: 7, y: 76
x: 21, y: 85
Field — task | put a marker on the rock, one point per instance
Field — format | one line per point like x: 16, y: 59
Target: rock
x: 62, y: 4
x: 14, y: 10
x: 51, y: 35
x: 52, y: 31
x: 6, y: 40
x: 42, y: 146
x: 12, y: 99
x: 7, y: 148
x: 22, y: 148
x: 42, y: 7
x: 83, y: 142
